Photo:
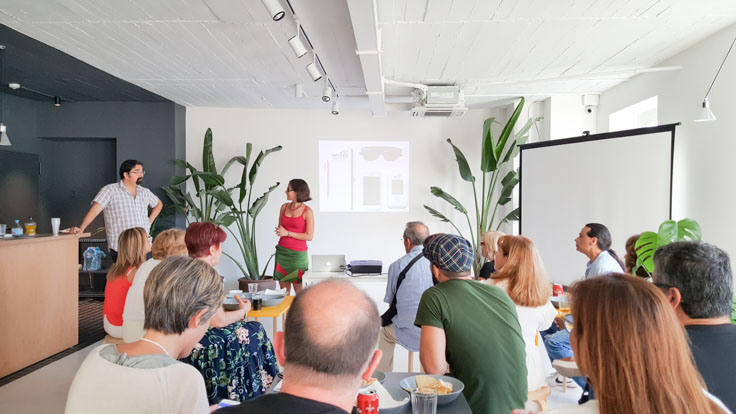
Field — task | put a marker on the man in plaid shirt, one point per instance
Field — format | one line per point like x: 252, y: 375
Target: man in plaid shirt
x: 125, y: 204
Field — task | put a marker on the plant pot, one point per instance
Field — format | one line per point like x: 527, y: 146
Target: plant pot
x: 266, y: 283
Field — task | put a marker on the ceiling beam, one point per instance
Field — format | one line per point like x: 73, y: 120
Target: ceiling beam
x: 365, y: 27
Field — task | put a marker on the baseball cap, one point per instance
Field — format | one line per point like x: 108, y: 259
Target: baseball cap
x: 449, y: 252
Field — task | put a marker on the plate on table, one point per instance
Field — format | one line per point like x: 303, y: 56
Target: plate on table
x: 268, y: 300
x: 379, y: 375
x: 409, y: 383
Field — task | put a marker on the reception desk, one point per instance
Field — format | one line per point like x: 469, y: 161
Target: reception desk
x: 373, y: 286
x: 39, y: 303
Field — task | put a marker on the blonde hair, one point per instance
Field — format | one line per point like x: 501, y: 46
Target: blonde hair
x: 490, y: 240
x: 628, y: 341
x: 132, y: 248
x: 169, y: 243
x: 527, y: 281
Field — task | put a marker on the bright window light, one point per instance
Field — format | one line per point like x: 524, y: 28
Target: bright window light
x: 639, y: 115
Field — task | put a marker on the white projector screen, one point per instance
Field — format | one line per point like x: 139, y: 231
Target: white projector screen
x: 621, y: 179
x: 364, y: 175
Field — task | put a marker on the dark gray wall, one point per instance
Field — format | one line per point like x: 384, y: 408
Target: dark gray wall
x: 18, y: 187
x: 152, y: 132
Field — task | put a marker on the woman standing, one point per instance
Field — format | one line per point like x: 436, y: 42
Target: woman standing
x: 629, y: 343
x: 132, y: 249
x: 296, y: 227
x: 519, y: 271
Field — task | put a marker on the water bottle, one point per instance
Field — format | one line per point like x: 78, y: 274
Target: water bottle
x: 17, y: 230
x: 97, y: 260
x: 89, y: 256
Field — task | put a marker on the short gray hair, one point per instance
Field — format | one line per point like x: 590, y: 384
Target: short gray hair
x: 176, y: 290
x: 416, y: 232
x: 702, y: 274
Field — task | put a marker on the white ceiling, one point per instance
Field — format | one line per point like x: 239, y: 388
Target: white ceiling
x: 229, y: 53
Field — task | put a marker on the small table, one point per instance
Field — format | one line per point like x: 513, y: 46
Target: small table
x: 459, y: 406
x: 273, y: 312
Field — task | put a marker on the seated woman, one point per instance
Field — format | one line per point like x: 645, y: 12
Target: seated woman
x: 132, y: 249
x: 519, y: 271
x: 646, y: 367
x: 235, y: 357
x: 180, y: 296
x: 489, y: 247
x: 169, y: 243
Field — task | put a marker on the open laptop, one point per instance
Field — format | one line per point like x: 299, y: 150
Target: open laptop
x: 328, y: 263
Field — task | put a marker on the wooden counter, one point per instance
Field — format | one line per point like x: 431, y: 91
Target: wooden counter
x: 39, y: 307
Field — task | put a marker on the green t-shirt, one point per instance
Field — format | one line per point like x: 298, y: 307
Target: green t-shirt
x: 485, y: 348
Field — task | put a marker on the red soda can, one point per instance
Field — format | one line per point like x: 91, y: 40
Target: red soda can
x: 557, y: 290
x: 367, y: 402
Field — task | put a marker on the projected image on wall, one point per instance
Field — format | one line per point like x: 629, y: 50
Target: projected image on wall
x: 364, y: 175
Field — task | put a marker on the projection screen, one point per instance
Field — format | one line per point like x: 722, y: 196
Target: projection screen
x: 621, y: 179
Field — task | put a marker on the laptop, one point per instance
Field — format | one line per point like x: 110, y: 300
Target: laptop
x: 328, y: 263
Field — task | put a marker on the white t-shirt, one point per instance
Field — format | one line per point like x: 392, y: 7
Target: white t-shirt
x: 533, y: 320
x: 134, y: 312
x: 603, y: 264
x: 101, y: 386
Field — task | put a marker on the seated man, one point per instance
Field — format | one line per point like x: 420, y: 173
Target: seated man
x: 403, y: 294
x: 697, y: 279
x: 325, y: 351
x: 472, y: 329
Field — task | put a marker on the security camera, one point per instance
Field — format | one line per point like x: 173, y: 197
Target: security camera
x: 589, y: 109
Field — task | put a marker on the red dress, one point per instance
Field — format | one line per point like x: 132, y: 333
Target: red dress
x: 115, y: 292
x: 294, y: 225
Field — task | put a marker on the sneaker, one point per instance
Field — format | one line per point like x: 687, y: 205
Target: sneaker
x: 559, y: 381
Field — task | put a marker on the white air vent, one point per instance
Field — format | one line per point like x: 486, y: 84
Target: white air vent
x: 440, y: 102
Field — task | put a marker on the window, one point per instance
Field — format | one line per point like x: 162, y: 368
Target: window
x: 639, y: 115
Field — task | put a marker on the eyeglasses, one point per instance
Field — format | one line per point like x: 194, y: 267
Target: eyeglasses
x: 141, y: 172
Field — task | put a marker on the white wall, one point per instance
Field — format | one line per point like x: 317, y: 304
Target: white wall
x: 569, y: 117
x: 357, y: 235
x: 704, y: 152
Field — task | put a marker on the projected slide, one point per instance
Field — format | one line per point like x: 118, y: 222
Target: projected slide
x: 364, y: 175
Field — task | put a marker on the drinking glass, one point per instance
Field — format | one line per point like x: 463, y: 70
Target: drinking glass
x: 252, y: 288
x: 55, y: 223
x: 3, y: 229
x: 423, y: 401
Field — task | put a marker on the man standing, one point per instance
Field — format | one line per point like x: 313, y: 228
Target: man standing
x: 404, y: 295
x: 696, y: 277
x: 325, y: 351
x: 471, y: 329
x: 125, y: 204
x: 594, y: 241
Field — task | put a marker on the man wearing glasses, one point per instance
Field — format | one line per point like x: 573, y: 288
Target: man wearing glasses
x: 125, y: 204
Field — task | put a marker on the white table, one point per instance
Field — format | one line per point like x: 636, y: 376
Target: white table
x: 373, y: 286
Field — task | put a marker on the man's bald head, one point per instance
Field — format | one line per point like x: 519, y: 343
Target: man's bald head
x: 332, y: 328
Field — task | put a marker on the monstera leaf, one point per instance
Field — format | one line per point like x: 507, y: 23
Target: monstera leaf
x: 669, y: 232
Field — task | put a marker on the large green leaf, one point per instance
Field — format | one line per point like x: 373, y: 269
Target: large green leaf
x: 192, y: 170
x: 441, y: 217
x: 512, y: 216
x: 208, y: 158
x: 261, y: 201
x: 244, y: 177
x: 175, y: 194
x: 520, y: 138
x: 688, y: 229
x: 438, y: 192
x: 667, y: 232
x: 258, y: 161
x: 645, y: 247
x: 508, y: 128
x: 488, y: 161
x: 225, y: 219
x: 222, y: 196
x: 508, y: 183
x: 210, y: 179
x: 239, y: 159
x: 177, y: 179
x: 462, y: 163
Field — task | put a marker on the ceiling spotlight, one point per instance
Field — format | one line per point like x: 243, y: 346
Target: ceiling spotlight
x: 327, y: 91
x: 4, y: 140
x: 296, y: 43
x: 57, y: 100
x: 274, y: 9
x: 314, y: 72
x: 13, y: 85
x: 335, y: 107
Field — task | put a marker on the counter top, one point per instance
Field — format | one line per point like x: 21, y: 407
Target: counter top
x: 40, y: 238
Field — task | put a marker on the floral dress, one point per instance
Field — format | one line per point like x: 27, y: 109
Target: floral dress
x: 237, y: 361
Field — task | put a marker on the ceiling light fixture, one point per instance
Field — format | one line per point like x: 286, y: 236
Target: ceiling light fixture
x: 4, y: 139
x: 313, y: 71
x: 705, y: 112
x: 296, y: 43
x: 57, y: 100
x: 274, y: 9
x: 335, y: 107
x: 327, y: 91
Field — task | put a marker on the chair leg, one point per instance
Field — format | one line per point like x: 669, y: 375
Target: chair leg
x: 564, y: 384
x: 411, y: 361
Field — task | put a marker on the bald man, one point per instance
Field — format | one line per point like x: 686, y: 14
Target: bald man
x: 327, y: 347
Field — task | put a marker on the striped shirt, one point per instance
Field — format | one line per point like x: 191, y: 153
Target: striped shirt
x: 123, y: 211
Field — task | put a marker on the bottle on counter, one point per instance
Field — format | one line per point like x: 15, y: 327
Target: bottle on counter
x: 30, y: 227
x: 17, y: 230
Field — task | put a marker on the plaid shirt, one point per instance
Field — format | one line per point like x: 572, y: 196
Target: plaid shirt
x: 123, y: 211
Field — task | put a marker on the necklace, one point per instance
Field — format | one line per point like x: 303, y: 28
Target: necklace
x: 157, y: 344
x: 298, y: 206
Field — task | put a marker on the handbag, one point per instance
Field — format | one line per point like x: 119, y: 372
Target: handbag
x: 388, y: 316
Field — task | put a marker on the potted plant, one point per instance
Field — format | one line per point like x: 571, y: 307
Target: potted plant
x: 495, y: 154
x: 217, y: 203
x: 669, y: 231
